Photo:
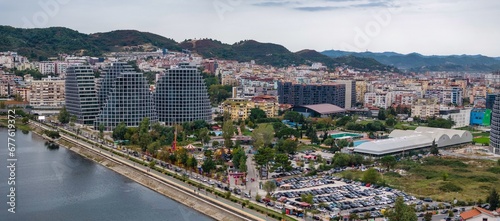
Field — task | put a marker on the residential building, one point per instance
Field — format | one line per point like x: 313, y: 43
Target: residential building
x: 480, y: 214
x: 240, y: 108
x: 81, y: 95
x: 425, y: 108
x: 308, y: 94
x: 361, y: 89
x: 461, y: 117
x: 48, y: 92
x: 181, y: 96
x: 350, y: 92
x: 46, y: 68
x: 128, y: 99
x: 495, y: 127
x: 383, y: 100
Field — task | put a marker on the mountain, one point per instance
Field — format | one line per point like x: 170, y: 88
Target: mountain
x: 42, y: 43
x: 421, y: 63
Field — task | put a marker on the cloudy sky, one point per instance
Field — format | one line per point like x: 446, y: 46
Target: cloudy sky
x: 437, y: 27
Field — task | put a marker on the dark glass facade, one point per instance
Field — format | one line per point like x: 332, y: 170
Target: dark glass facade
x: 495, y: 126
x: 81, y: 96
x: 307, y: 94
x: 181, y: 96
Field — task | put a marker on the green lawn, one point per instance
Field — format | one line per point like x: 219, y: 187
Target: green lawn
x: 482, y: 140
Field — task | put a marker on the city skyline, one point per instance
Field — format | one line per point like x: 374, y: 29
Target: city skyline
x: 424, y: 26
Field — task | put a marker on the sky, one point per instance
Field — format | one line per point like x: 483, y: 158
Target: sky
x: 429, y: 27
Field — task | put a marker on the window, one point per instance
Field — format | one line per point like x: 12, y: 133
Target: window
x: 485, y: 219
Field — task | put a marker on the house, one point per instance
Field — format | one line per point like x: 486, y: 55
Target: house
x: 480, y: 214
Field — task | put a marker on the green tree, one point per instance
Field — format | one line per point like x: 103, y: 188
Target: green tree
x: 227, y: 133
x: 493, y: 199
x: 208, y: 165
x: 353, y: 217
x: 25, y: 120
x: 263, y: 157
x: 238, y: 155
x: 154, y: 147
x: 281, y: 160
x: 401, y: 212
x: 371, y: 176
x: 256, y: 114
x: 101, y: 131
x: 307, y: 198
x: 269, y: 186
x: 144, y: 138
x: 243, y: 165
x: 390, y: 122
x: 263, y: 135
x: 294, y: 117
x: 64, y: 116
x: 120, y: 131
x: 388, y: 161
x: 192, y: 163
x: 381, y: 114
x: 286, y: 146
x: 445, y: 176
x: 203, y: 135
x: 434, y: 148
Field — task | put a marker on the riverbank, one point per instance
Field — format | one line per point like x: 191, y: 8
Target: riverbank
x: 180, y: 193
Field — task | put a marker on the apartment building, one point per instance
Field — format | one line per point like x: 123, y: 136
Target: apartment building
x: 48, y: 92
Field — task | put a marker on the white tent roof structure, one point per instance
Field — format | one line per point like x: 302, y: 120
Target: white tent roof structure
x: 421, y: 137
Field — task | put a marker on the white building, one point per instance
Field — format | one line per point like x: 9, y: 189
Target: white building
x: 48, y: 92
x: 461, y: 119
x: 47, y: 68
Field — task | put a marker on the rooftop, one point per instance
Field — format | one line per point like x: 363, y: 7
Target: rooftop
x: 324, y: 108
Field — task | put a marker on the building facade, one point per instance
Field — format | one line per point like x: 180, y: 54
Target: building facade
x: 110, y: 73
x: 495, y: 127
x: 480, y: 117
x: 308, y: 94
x: 182, y: 96
x: 240, y: 108
x: 48, y: 92
x: 81, y: 95
x: 350, y: 92
x: 128, y: 100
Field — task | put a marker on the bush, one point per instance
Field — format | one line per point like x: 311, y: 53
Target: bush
x: 450, y: 187
x: 434, y: 161
x: 392, y: 174
x: 461, y: 170
x: 484, y: 179
x: 494, y: 170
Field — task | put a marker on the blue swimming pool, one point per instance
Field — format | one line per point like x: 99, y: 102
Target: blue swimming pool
x: 358, y: 142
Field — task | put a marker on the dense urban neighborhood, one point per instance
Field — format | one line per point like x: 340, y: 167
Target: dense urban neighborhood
x: 299, y: 141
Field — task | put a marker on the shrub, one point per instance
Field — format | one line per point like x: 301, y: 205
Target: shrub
x: 392, y: 174
x: 450, y: 187
x: 484, y: 179
x: 494, y: 170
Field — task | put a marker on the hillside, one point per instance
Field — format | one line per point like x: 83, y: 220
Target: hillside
x: 40, y: 44
x: 421, y: 63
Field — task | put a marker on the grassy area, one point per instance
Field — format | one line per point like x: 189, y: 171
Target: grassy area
x: 402, y: 126
x: 307, y: 147
x: 466, y: 180
x: 482, y: 140
x: 19, y: 124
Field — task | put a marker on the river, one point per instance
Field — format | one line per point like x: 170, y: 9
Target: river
x: 56, y: 184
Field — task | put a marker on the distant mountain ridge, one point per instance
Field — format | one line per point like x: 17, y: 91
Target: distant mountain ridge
x: 42, y: 43
x: 421, y: 63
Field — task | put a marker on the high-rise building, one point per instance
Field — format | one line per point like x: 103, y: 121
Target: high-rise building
x: 181, y: 96
x: 81, y: 95
x: 495, y: 127
x: 308, y: 94
x: 490, y: 100
x: 128, y: 100
x: 47, y: 93
x: 350, y: 92
x: 110, y: 74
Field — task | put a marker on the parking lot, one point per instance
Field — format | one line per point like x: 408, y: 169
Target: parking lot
x: 336, y: 196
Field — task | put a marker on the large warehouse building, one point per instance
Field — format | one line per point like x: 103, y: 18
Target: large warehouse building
x: 407, y: 140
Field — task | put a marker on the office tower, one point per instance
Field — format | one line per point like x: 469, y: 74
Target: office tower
x: 81, y: 96
x: 308, y: 94
x: 495, y: 127
x: 110, y: 73
x: 350, y: 92
x: 490, y: 100
x: 128, y: 100
x: 181, y: 96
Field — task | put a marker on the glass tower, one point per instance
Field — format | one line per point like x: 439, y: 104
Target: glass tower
x: 81, y: 96
x: 495, y: 127
x: 128, y: 99
x: 181, y: 96
x: 110, y: 74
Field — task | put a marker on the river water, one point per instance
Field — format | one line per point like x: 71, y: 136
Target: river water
x: 56, y: 184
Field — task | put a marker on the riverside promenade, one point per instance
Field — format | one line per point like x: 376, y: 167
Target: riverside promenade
x: 207, y: 203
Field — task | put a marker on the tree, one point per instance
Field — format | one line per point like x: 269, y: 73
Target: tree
x: 286, y: 146
x: 381, y: 114
x: 388, y: 161
x: 434, y: 148
x: 63, y: 116
x: 243, y: 165
x: 101, y: 131
x: 25, y: 120
x: 371, y: 176
x: 445, y: 176
x: 269, y: 186
x: 263, y: 157
x: 493, y: 199
x: 428, y: 217
x: 286, y: 132
x: 390, y: 122
x: 281, y: 160
x: 238, y: 156
x: 294, y: 116
x: 203, y: 135
x: 144, y: 138
x: 353, y: 217
x: 256, y: 114
x: 215, y: 143
x: 227, y: 133
x: 307, y: 198
x: 401, y: 212
x: 154, y: 147
x: 192, y: 163
x: 120, y: 131
x: 263, y: 135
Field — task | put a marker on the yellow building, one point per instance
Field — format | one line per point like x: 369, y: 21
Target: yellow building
x: 239, y: 108
x: 361, y: 89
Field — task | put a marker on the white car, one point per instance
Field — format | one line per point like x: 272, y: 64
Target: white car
x: 278, y: 206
